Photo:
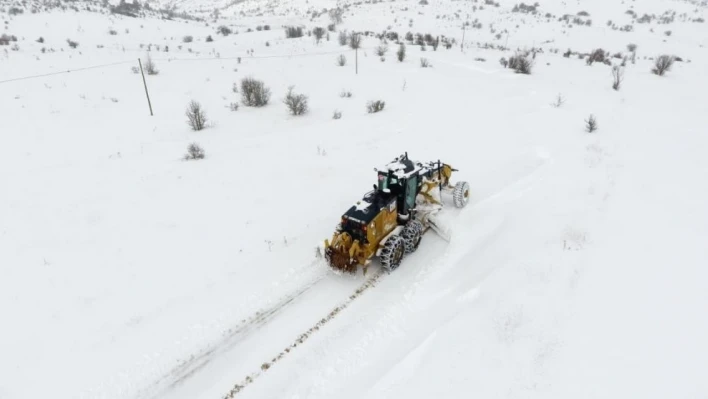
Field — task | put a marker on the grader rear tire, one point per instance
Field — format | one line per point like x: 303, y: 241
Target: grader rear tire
x: 412, y: 235
x: 392, y: 253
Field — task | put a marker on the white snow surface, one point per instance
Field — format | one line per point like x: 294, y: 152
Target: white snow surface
x: 577, y: 270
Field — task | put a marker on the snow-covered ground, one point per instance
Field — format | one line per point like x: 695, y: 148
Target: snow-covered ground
x: 577, y: 270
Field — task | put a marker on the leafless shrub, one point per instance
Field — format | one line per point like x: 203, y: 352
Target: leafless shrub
x: 591, y: 124
x: 521, y: 63
x: 224, y: 30
x: 662, y: 65
x: 194, y: 151
x: 336, y: 15
x: 617, y: 77
x: 188, y: 39
x: 342, y: 38
x: 337, y: 114
x: 233, y: 107
x: 254, y: 93
x: 209, y: 39
x: 424, y: 63
x: 40, y: 40
x: 375, y: 106
x: 355, y: 40
x: 150, y: 66
x: 319, y: 33
x: 341, y: 60
x: 112, y: 32
x: 401, y: 53
x: 296, y: 103
x: 504, y: 62
x: 292, y: 32
x: 597, y: 55
x: 196, y: 117
x: 558, y: 102
x: 381, y: 50
x: 345, y: 94
x: 72, y: 43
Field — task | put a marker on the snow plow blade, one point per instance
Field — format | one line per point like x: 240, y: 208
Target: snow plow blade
x: 439, y: 227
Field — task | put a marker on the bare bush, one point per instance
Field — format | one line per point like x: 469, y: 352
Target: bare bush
x: 233, y: 107
x: 296, y: 103
x: 662, y: 64
x: 597, y: 55
x: 224, y: 30
x: 558, y: 102
x: 194, y: 151
x: 424, y: 63
x: 209, y: 39
x: 401, y: 53
x: 72, y: 43
x: 504, y: 62
x: 292, y: 32
x: 336, y: 15
x: 375, y: 106
x: 319, y: 33
x: 196, y: 117
x: 337, y: 114
x: 188, y: 39
x: 355, y: 41
x: 345, y: 94
x: 150, y: 66
x: 617, y: 77
x: 521, y: 63
x: 341, y: 60
x: 342, y: 38
x: 381, y: 50
x: 591, y: 124
x: 254, y: 93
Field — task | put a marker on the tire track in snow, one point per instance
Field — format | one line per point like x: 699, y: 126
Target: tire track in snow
x: 370, y: 282
x: 230, y: 337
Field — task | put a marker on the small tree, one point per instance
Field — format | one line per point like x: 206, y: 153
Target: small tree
x: 194, y: 151
x: 381, y: 50
x: 355, y: 40
x: 196, y: 117
x: 591, y: 124
x: 617, y: 76
x: 521, y: 63
x: 254, y: 93
x: 375, y: 106
x: 662, y: 65
x: 150, y: 66
x: 296, y: 103
x: 319, y: 33
x: 401, y: 53
x: 341, y: 60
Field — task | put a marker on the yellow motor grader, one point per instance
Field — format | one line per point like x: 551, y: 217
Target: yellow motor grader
x: 389, y: 221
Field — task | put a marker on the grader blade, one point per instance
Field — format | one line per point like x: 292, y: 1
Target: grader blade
x: 444, y: 231
x: 340, y: 261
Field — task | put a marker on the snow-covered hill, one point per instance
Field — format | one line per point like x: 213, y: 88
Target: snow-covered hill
x: 126, y: 271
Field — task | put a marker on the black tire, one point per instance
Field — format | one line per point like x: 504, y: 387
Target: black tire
x: 461, y: 194
x: 392, y: 253
x: 412, y: 234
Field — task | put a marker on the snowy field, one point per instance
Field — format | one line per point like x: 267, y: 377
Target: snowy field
x: 577, y: 271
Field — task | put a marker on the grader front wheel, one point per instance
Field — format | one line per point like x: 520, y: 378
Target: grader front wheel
x: 461, y: 194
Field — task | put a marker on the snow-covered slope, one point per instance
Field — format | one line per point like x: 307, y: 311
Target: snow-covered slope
x: 128, y: 272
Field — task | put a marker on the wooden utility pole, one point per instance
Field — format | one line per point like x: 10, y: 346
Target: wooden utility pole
x: 146, y: 87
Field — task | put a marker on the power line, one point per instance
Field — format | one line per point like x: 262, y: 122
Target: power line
x: 62, y: 72
x: 246, y: 57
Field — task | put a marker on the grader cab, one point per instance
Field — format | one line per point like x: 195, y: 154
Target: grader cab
x: 389, y: 221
